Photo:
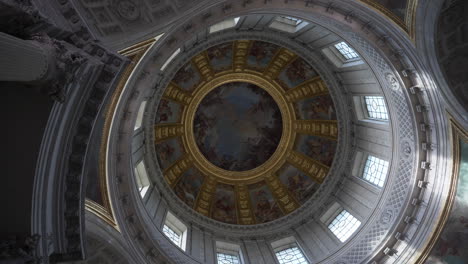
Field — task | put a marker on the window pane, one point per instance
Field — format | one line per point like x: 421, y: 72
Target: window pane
x: 344, y: 225
x: 375, y: 171
x: 141, y: 112
x: 142, y: 178
x: 293, y: 20
x: 291, y: 256
x: 172, y: 235
x: 227, y: 259
x: 345, y: 50
x: 376, y: 107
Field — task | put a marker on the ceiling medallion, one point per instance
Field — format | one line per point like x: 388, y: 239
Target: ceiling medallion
x: 245, y: 132
x: 193, y: 129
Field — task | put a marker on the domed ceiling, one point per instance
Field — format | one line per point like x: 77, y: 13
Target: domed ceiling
x: 246, y: 132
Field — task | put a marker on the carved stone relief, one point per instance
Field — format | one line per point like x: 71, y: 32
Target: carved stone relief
x: 392, y: 81
x: 127, y: 9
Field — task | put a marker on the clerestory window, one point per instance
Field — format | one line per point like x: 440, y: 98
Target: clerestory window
x: 142, y: 180
x: 224, y: 258
x: 292, y: 255
x: 344, y: 225
x: 228, y: 253
x: 292, y: 20
x: 375, y: 171
x: 228, y: 23
x: 287, y: 251
x: 175, y: 230
x: 375, y: 106
x: 346, y: 51
x: 172, y: 235
x: 141, y: 112
x: 288, y: 24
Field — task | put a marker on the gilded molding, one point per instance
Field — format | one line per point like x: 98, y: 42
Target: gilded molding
x: 313, y: 168
x: 173, y: 173
x: 321, y: 128
x: 282, y: 58
x: 134, y: 53
x: 166, y: 131
x: 285, y: 145
x: 175, y: 93
x: 203, y: 66
x: 101, y: 212
x: 314, y: 87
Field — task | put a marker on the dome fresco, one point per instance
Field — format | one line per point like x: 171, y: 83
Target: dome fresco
x: 246, y: 132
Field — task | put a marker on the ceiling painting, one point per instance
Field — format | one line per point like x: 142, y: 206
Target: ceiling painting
x: 220, y: 57
x: 260, y: 55
x: 264, y: 205
x: 322, y: 149
x: 297, y: 72
x: 224, y: 204
x: 168, y: 112
x: 246, y: 132
x: 301, y: 186
x: 189, y: 186
x: 187, y: 77
x: 169, y: 152
x: 320, y: 107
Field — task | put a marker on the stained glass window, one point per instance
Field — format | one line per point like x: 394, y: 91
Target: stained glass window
x: 172, y: 235
x: 291, y: 255
x: 375, y: 171
x: 227, y: 258
x: 345, y: 50
x: 376, y: 108
x: 344, y: 225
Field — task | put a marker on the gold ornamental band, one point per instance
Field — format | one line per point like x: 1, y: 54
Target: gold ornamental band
x: 279, y: 156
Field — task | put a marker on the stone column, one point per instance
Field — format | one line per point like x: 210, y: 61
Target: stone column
x: 42, y: 62
x: 23, y: 60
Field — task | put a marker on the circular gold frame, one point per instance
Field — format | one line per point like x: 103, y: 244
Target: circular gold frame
x: 279, y: 156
